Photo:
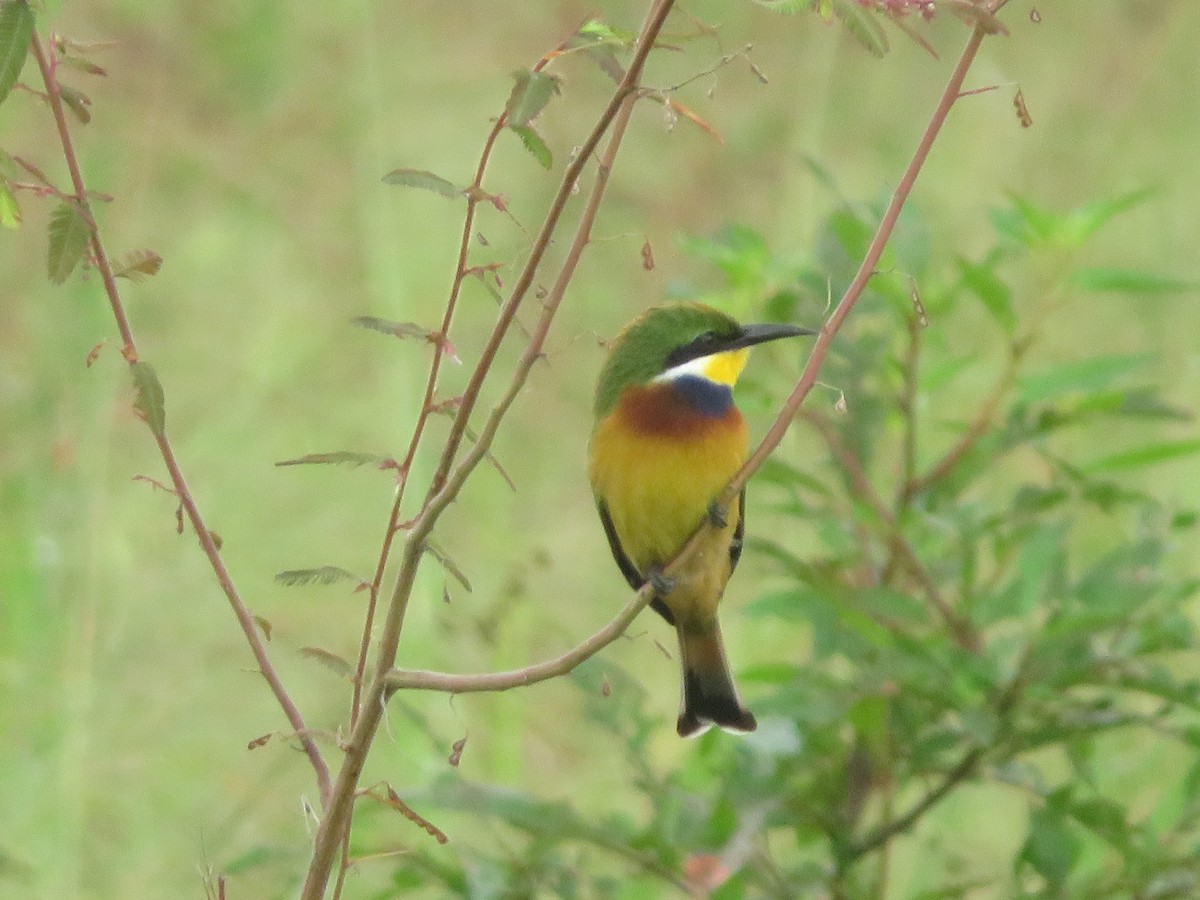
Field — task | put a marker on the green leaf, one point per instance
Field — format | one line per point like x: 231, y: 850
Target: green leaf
x: 1080, y: 224
x: 1103, y: 817
x: 889, y: 604
x: 149, y: 401
x: 530, y: 94
x: 598, y: 40
x: 139, y: 264
x: 1144, y: 456
x: 1085, y: 376
x: 10, y: 210
x: 995, y: 295
x: 319, y: 575
x: 534, y: 144
x: 788, y: 6
x: 862, y: 25
x: 77, y: 101
x: 739, y: 251
x: 1050, y: 847
x: 426, y: 181
x: 1138, y: 403
x: 68, y: 240
x: 1131, y: 281
x: 336, y: 458
x: 447, y: 563
x: 1033, y: 226
x: 329, y: 660
x: 16, y: 30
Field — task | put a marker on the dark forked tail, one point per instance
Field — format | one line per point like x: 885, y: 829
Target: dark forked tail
x: 709, y: 695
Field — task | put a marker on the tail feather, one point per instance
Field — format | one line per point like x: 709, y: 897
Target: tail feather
x: 709, y: 694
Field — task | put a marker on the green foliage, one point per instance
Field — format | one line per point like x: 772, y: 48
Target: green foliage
x: 68, y: 241
x: 419, y: 178
x: 1077, y: 632
x: 16, y: 30
x: 149, y: 401
x: 10, y: 210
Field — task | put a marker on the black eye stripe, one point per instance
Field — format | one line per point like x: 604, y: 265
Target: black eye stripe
x: 704, y: 344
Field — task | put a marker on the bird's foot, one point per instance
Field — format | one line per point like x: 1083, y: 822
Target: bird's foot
x: 718, y: 515
x: 662, y: 582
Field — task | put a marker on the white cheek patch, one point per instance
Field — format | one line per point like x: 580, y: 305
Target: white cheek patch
x: 697, y: 367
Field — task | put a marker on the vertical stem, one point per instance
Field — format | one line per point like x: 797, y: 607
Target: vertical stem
x: 129, y: 350
x: 336, y: 821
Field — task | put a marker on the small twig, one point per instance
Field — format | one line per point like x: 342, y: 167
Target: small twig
x: 917, y: 484
x: 908, y: 406
x: 865, y: 491
x: 962, y: 770
x: 129, y: 351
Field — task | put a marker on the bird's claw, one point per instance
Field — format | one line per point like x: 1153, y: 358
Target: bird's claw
x: 662, y: 582
x: 718, y: 515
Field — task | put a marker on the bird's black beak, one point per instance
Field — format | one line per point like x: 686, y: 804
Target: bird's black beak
x: 760, y: 334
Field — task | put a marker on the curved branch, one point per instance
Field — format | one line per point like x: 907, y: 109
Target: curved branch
x: 402, y: 679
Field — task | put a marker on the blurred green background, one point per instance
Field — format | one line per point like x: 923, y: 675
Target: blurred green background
x: 245, y: 143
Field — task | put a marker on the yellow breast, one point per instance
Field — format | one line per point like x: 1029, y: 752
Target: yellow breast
x: 658, y: 485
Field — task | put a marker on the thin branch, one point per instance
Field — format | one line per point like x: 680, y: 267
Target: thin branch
x: 406, y: 679
x: 869, y: 263
x: 966, y: 767
x: 474, y: 194
x: 865, y: 491
x: 908, y: 405
x: 963, y: 769
x: 336, y: 821
x: 866, y: 269
x: 917, y: 484
x: 203, y: 533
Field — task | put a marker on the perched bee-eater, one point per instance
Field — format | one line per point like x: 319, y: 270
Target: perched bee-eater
x: 667, y: 441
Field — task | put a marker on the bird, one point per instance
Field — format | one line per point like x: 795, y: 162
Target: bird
x: 666, y: 442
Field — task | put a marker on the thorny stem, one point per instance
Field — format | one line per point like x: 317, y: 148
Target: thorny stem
x: 186, y: 500
x: 336, y: 821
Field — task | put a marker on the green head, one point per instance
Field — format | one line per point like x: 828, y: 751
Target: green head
x: 690, y: 337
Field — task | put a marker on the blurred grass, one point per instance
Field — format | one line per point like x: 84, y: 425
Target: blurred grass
x: 245, y: 144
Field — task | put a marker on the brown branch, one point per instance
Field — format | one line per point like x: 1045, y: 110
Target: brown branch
x: 203, y: 533
x: 474, y: 194
x: 917, y: 484
x: 401, y: 679
x: 867, y: 268
x: 336, y: 821
x: 967, y: 766
x: 865, y: 491
x: 962, y: 770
